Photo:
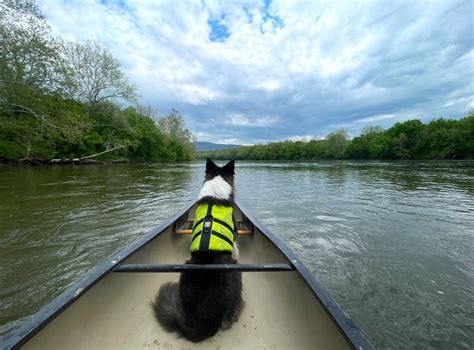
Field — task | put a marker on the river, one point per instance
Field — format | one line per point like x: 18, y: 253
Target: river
x: 392, y: 241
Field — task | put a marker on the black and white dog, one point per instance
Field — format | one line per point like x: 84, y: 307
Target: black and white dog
x: 204, y: 301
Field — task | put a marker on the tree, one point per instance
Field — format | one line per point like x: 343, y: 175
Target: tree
x: 407, y: 140
x: 371, y: 130
x: 28, y: 58
x: 147, y: 142
x: 173, y: 126
x: 148, y: 111
x: 91, y: 74
x: 29, y: 81
x: 359, y: 147
x: 337, y: 142
x: 179, y: 137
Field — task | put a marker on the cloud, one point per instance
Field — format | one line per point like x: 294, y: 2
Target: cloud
x: 257, y: 122
x: 376, y: 118
x: 311, y: 66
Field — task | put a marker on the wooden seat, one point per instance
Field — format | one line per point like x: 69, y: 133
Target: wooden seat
x: 187, y: 229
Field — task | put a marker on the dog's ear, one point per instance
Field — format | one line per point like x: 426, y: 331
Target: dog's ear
x: 210, y: 165
x: 229, y: 168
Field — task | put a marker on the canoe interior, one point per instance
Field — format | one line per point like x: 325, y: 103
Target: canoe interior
x: 280, y: 311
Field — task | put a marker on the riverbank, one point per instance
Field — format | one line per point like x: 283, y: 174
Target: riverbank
x: 411, y: 139
x: 78, y: 162
x: 57, y: 161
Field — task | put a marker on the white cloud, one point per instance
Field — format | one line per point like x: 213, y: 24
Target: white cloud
x: 471, y: 103
x: 315, y: 65
x: 268, y: 85
x: 376, y: 118
x: 241, y: 120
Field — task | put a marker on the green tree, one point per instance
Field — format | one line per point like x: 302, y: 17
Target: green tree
x: 178, y: 135
x: 147, y: 143
x: 28, y: 59
x: 360, y: 146
x: 407, y: 139
x: 91, y: 74
x: 28, y: 52
x: 336, y: 143
x: 29, y: 82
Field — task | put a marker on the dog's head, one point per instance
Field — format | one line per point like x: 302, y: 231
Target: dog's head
x: 219, y: 181
x: 226, y: 172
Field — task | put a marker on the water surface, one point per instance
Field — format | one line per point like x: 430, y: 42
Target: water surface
x: 392, y: 241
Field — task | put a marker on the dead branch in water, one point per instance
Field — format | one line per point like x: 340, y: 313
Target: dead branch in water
x: 98, y: 154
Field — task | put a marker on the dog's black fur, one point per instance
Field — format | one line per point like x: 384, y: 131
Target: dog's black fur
x: 203, y: 301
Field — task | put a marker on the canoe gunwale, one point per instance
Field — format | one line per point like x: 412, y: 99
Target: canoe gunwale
x: 348, y: 328
x: 34, y: 323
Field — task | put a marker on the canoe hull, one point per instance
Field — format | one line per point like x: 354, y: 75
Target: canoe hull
x: 282, y: 310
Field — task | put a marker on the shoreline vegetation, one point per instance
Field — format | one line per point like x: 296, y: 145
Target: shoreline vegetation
x: 67, y: 102
x: 440, y: 139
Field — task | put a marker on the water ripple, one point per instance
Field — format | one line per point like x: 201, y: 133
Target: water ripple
x: 392, y: 241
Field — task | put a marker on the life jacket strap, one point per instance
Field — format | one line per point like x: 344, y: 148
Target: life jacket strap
x: 223, y: 237
x: 214, y: 233
x: 206, y: 231
x: 223, y: 223
x: 219, y: 221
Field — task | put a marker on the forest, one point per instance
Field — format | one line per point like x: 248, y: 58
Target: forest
x: 412, y: 139
x: 62, y: 101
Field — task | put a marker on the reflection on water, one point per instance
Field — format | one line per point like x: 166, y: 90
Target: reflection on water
x: 392, y: 241
x: 59, y: 222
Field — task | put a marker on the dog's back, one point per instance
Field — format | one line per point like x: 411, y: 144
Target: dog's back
x: 204, y: 301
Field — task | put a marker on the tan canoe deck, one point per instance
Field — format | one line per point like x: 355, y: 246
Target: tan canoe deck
x: 281, y: 310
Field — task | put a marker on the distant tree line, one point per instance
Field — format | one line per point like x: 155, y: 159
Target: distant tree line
x: 61, y: 99
x: 412, y: 139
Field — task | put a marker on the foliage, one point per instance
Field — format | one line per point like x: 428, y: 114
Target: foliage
x: 179, y: 138
x: 60, y: 99
x: 439, y: 139
x: 28, y: 55
x: 91, y: 74
x: 337, y: 143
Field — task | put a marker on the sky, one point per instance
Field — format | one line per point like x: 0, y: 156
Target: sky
x: 248, y: 72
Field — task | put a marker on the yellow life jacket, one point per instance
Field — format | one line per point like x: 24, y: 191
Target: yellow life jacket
x: 213, y: 229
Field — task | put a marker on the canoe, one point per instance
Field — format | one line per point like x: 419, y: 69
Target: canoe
x: 110, y: 308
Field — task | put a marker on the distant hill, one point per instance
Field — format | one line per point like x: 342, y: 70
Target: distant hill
x: 209, y: 146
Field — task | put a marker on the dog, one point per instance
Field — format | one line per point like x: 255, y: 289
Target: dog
x: 205, y: 301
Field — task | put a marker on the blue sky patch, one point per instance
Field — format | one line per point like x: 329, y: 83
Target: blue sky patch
x: 248, y: 14
x: 276, y: 21
x: 119, y: 3
x: 219, y: 31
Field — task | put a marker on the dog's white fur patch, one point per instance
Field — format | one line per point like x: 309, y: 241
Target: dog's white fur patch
x: 216, y: 187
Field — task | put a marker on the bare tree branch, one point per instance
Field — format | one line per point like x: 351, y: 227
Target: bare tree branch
x: 98, y: 154
x: 30, y: 111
